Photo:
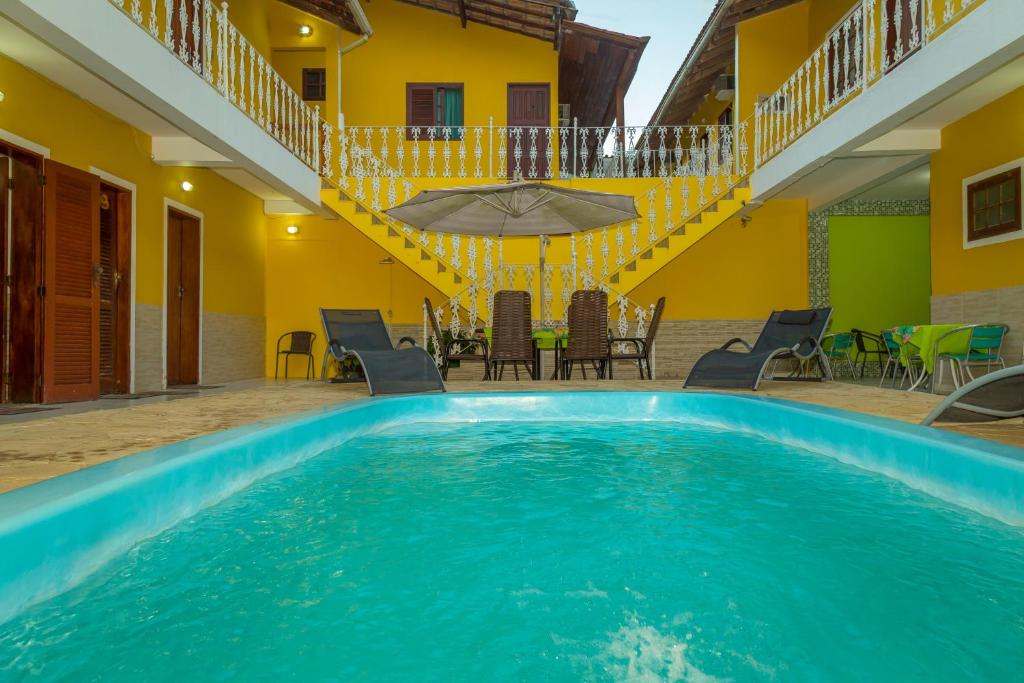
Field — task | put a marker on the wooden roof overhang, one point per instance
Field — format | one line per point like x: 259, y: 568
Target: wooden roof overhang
x: 595, y: 69
x: 335, y: 11
x: 541, y: 19
x: 711, y: 55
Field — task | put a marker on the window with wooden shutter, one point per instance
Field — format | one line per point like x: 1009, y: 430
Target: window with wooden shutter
x: 314, y: 85
x: 994, y: 205
x: 436, y: 106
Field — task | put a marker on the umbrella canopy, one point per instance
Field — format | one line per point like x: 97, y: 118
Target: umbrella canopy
x: 514, y: 209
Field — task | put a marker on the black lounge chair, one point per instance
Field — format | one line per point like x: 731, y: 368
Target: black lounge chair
x: 361, y: 334
x: 788, y: 335
x: 998, y: 395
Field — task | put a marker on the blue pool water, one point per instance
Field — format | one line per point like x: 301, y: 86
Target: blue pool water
x: 557, y: 552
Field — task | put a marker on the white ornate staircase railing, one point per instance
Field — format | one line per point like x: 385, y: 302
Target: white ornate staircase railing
x: 499, y: 152
x: 200, y: 34
x: 875, y: 37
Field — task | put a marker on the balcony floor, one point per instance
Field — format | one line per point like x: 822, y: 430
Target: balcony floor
x: 40, y: 445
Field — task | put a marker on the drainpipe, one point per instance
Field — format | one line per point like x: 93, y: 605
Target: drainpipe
x: 367, y: 31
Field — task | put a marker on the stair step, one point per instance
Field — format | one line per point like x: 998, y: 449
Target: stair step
x: 409, y: 244
x: 424, y: 256
x: 744, y: 183
x: 649, y: 254
x: 325, y: 185
x: 631, y: 266
x: 441, y: 268
x: 344, y: 196
x: 392, y: 232
x: 680, y: 231
x: 615, y: 279
x: 360, y: 209
x: 458, y: 278
x: 696, y: 220
x: 663, y: 244
x: 376, y: 221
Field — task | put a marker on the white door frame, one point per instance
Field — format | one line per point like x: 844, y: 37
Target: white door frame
x: 127, y: 186
x: 198, y: 215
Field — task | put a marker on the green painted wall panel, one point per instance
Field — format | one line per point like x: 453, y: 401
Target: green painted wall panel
x: 879, y: 271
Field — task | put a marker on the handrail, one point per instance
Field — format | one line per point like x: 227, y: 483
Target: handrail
x: 207, y: 42
x: 872, y: 39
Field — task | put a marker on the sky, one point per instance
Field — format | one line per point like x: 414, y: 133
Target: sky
x: 672, y: 26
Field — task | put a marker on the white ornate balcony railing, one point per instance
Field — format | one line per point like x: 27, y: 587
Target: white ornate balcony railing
x: 875, y: 37
x: 494, y: 151
x: 354, y: 161
x: 200, y: 34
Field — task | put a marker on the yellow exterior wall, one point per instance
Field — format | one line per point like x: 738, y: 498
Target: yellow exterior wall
x: 233, y: 239
x: 989, y: 137
x: 330, y: 264
x: 412, y: 44
x: 737, y: 272
x: 322, y: 47
x: 769, y: 50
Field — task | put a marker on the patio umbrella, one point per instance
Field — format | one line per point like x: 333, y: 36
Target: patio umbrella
x: 515, y: 209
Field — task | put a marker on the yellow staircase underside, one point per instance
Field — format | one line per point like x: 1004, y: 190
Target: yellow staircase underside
x: 636, y: 271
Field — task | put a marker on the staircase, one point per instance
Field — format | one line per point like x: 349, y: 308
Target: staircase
x: 402, y: 246
x: 657, y: 256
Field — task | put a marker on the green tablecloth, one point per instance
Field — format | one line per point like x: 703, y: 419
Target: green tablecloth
x: 545, y: 336
x: 920, y: 340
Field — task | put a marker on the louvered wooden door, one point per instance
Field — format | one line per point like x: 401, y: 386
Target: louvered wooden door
x: 5, y: 176
x: 183, y: 237
x: 115, y: 293
x: 71, y: 301
x: 529, y: 106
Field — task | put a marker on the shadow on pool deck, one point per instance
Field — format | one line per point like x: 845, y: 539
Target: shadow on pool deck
x: 37, y: 446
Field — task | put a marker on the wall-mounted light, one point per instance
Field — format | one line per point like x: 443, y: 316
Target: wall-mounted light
x: 2, y: 96
x: 292, y: 229
x: 186, y: 186
x: 305, y: 30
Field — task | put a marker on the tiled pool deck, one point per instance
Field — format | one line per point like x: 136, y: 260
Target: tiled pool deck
x: 41, y: 445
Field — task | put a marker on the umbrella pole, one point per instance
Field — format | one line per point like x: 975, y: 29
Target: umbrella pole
x: 543, y: 250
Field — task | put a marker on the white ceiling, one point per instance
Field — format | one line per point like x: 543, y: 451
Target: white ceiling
x: 29, y: 51
x: 913, y: 184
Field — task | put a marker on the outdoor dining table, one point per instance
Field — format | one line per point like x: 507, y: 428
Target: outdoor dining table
x: 919, y: 341
x: 545, y: 339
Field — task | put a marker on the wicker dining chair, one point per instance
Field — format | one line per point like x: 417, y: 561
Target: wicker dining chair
x: 642, y: 346
x: 457, y: 350
x: 300, y: 343
x: 512, y: 334
x: 588, y: 332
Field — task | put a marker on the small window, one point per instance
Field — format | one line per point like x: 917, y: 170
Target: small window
x: 314, y: 84
x: 436, y: 106
x: 993, y: 205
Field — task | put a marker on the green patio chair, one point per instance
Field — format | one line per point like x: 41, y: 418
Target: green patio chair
x: 894, y: 363
x: 983, y: 347
x: 838, y: 347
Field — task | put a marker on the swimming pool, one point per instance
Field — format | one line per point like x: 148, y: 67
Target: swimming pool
x: 589, y: 536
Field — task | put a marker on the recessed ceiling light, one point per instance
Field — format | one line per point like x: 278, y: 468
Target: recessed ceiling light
x: 305, y: 30
x: 292, y: 229
x: 186, y: 186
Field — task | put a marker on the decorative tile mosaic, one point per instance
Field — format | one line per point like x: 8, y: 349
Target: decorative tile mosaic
x: 817, y: 235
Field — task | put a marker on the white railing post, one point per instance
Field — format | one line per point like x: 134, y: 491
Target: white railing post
x: 575, y: 141
x: 490, y: 147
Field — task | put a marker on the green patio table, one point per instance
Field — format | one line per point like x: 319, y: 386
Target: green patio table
x: 546, y: 339
x: 920, y: 340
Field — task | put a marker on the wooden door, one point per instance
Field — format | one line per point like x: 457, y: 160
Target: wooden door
x: 115, y: 290
x: 900, y: 44
x: 187, y: 32
x: 71, y: 301
x: 183, y: 244
x: 5, y: 287
x: 24, y: 276
x: 529, y: 107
